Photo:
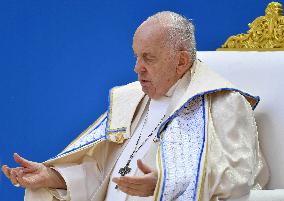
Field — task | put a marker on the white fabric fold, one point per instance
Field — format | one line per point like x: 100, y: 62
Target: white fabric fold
x: 235, y: 159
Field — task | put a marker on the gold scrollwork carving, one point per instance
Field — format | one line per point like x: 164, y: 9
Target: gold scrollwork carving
x: 265, y: 33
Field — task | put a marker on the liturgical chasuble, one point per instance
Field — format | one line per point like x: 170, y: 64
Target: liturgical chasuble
x: 207, y: 146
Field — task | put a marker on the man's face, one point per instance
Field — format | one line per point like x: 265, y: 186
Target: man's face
x: 155, y: 63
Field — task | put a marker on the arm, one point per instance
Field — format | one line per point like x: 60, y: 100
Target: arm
x: 234, y: 160
x: 82, y: 180
x: 36, y: 177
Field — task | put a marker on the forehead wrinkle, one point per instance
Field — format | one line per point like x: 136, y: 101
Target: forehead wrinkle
x: 149, y: 36
x: 156, y: 25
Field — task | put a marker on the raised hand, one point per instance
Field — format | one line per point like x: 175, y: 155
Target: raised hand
x: 33, y: 175
x: 142, y: 186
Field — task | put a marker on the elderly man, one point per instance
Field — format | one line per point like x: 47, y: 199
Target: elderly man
x: 181, y: 133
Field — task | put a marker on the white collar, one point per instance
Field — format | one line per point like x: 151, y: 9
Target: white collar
x: 172, y: 89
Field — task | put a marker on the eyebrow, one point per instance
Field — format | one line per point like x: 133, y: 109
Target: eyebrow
x: 148, y: 54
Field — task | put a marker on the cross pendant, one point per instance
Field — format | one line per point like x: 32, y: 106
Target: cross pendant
x: 123, y: 171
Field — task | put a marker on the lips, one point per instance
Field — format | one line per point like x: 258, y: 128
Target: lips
x: 144, y: 82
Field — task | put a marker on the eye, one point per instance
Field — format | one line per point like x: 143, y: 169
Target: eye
x: 148, y: 58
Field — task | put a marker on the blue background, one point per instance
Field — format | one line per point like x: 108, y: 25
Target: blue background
x: 59, y: 58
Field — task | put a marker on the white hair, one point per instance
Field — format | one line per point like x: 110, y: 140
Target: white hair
x: 180, y: 31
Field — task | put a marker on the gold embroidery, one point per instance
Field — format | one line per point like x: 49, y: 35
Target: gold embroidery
x: 119, y: 138
x: 208, y: 108
x: 117, y: 134
x: 160, y: 176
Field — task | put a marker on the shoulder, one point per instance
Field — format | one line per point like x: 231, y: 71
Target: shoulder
x: 132, y: 86
x: 231, y: 99
x: 227, y: 95
x: 126, y: 94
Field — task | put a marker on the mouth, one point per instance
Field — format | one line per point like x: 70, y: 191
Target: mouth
x: 144, y: 82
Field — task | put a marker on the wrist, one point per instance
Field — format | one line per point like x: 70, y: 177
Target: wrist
x: 56, y: 181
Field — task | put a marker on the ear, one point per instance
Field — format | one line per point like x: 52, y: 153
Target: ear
x: 184, y: 62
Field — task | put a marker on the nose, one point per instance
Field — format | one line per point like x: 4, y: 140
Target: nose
x: 139, y: 66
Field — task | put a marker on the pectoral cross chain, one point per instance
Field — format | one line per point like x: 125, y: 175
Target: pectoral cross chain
x: 126, y: 169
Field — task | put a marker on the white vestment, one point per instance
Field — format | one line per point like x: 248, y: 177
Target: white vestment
x: 150, y: 119
x: 233, y: 164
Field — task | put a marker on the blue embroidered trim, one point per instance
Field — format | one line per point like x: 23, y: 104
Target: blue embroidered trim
x: 108, y: 112
x: 199, y: 157
x: 79, y: 147
x: 165, y: 172
x: 60, y: 154
x: 204, y: 136
x: 117, y: 130
x: 257, y: 98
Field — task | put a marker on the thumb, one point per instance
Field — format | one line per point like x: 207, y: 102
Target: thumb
x: 144, y: 168
x: 22, y: 161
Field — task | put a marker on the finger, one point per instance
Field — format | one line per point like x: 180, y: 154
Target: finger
x: 23, y: 181
x: 129, y: 191
x: 13, y: 177
x: 29, y: 170
x: 6, y: 170
x: 143, y: 167
x: 22, y: 161
x: 134, y: 179
x: 20, y: 172
x: 133, y: 192
x: 136, y: 182
x: 124, y: 183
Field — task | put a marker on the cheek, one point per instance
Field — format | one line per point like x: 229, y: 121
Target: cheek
x: 167, y: 72
x: 161, y: 73
x: 161, y: 79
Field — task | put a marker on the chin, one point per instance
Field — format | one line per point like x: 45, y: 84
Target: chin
x: 150, y: 93
x: 147, y: 91
x: 153, y: 96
